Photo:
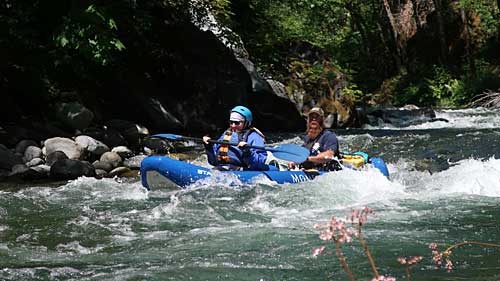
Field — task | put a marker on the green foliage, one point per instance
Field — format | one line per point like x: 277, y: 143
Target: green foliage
x: 356, y: 94
x: 317, y: 80
x: 473, y: 84
x: 93, y: 34
x: 483, y: 16
x: 440, y: 87
x: 315, y: 47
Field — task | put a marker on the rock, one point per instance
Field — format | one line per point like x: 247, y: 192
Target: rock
x: 400, y: 117
x: 8, y: 159
x: 74, y: 115
x: 134, y: 162
x: 55, y: 156
x: 24, y: 173
x: 278, y: 88
x: 123, y: 151
x: 108, y: 136
x: 130, y: 174
x: 131, y: 131
x: 68, y: 146
x: 330, y: 121
x: 111, y: 157
x: 23, y: 144
x: 102, y: 165
x: 31, y: 153
x: 42, y: 169
x: 35, y: 162
x: 19, y: 168
x: 118, y: 171
x: 158, y: 115
x: 69, y: 169
x: 148, y: 151
x: 4, y: 173
x: 158, y: 145
x: 91, y: 145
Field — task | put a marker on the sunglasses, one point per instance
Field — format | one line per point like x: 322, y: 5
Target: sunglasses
x: 314, y: 116
x: 234, y: 122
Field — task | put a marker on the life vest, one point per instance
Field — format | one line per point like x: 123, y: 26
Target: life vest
x: 222, y: 153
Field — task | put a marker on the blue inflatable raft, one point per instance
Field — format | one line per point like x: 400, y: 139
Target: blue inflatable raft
x: 164, y: 172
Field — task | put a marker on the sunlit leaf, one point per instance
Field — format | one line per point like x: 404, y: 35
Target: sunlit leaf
x: 63, y: 41
x: 118, y: 44
x: 112, y: 24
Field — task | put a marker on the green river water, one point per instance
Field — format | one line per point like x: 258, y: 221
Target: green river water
x: 444, y: 188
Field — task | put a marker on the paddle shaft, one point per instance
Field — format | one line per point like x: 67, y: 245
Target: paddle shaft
x: 288, y: 152
x: 228, y: 143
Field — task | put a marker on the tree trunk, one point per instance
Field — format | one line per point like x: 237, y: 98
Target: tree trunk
x: 394, y: 32
x: 467, y: 41
x: 441, y: 33
x: 498, y: 31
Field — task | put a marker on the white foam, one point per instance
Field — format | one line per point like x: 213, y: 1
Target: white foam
x: 471, y: 176
x: 477, y: 118
x: 77, y: 248
x: 110, y: 188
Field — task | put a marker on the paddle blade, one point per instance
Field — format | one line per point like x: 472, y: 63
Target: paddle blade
x: 290, y: 152
x: 167, y: 136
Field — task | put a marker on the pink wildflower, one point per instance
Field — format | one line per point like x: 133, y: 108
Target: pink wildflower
x: 437, y: 257
x: 415, y: 259
x: 449, y: 265
x: 318, y: 251
x: 401, y: 260
x: 384, y: 278
x: 410, y: 260
x: 326, y: 235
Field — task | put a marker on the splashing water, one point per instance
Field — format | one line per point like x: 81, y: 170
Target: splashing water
x: 444, y: 188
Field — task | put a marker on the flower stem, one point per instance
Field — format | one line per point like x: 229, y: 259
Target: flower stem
x: 408, y: 273
x: 368, y: 254
x: 343, y: 261
x: 471, y: 243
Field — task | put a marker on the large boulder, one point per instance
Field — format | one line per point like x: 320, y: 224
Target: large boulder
x: 69, y: 169
x: 273, y: 111
x: 400, y: 117
x: 31, y: 153
x: 23, y: 144
x: 55, y: 156
x: 196, y: 95
x: 110, y: 137
x: 91, y: 145
x: 74, y: 114
x: 131, y: 131
x: 8, y: 159
x: 68, y: 146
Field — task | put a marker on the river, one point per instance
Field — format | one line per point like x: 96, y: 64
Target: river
x: 444, y: 188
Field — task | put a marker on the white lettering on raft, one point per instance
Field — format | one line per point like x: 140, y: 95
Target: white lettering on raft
x: 299, y: 178
x: 203, y: 172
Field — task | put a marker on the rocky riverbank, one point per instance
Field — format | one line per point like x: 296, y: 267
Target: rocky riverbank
x: 62, y: 158
x: 117, y: 150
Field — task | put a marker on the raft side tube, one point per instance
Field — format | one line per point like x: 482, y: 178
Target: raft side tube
x: 380, y: 165
x: 178, y: 172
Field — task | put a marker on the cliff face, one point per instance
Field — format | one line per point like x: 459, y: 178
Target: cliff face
x: 183, y: 80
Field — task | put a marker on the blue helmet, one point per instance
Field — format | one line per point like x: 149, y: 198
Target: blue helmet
x: 245, y: 112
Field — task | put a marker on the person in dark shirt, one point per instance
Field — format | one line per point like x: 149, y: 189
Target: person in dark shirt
x: 322, y: 144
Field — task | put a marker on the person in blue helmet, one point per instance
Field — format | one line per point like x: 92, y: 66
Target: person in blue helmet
x: 240, y: 157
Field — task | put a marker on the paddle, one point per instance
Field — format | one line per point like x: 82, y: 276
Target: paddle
x: 288, y: 152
